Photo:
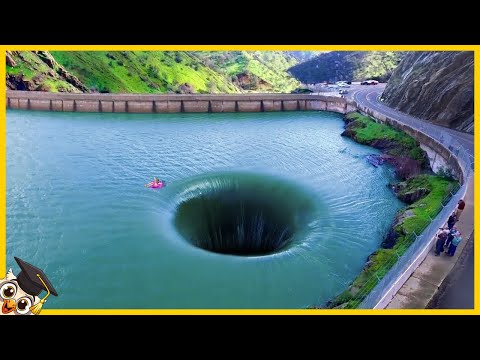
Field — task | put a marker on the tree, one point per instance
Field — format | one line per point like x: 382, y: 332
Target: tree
x: 152, y: 71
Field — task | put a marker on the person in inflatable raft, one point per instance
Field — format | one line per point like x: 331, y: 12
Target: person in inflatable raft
x: 156, y: 183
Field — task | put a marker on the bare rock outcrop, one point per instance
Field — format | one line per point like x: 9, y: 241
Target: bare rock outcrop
x: 434, y: 86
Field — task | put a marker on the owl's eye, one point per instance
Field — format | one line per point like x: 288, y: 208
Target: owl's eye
x: 8, y: 290
x: 23, y: 305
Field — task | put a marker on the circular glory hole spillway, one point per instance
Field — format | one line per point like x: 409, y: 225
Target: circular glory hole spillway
x: 243, y: 214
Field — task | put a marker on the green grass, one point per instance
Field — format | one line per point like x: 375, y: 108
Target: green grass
x: 269, y: 66
x: 382, y: 260
x: 440, y: 190
x: 266, y: 65
x: 156, y: 71
x: 163, y: 71
x: 367, y: 131
x: 146, y: 71
x: 30, y: 67
x: 429, y: 206
x: 27, y: 72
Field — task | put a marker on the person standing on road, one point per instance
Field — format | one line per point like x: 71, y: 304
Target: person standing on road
x: 451, y: 235
x: 451, y: 221
x: 460, y: 207
x: 453, y: 246
x: 441, y: 238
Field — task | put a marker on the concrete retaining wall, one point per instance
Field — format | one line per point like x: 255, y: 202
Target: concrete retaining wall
x: 37, y: 100
x: 453, y: 162
x: 450, y: 160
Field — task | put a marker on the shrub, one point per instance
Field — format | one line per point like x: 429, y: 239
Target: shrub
x: 152, y: 71
x: 445, y: 172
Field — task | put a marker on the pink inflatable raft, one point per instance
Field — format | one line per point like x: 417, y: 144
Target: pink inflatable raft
x: 158, y: 185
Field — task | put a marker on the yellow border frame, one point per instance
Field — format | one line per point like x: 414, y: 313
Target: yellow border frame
x: 475, y: 48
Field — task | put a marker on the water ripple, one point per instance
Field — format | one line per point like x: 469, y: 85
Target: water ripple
x: 77, y: 206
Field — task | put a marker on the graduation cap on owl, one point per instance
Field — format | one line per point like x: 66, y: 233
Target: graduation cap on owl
x: 19, y: 293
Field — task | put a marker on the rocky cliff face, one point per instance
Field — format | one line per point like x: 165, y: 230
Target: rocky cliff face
x: 435, y: 86
x: 38, y: 71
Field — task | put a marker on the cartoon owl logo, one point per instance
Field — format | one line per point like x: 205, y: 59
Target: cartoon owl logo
x: 19, y: 294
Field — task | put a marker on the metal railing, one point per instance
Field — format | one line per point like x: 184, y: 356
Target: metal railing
x: 402, y: 258
x: 438, y: 133
x: 415, y: 247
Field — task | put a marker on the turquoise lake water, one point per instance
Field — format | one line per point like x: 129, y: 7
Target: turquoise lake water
x: 78, y: 209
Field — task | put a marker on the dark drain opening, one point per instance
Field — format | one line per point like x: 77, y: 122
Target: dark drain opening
x: 237, y: 220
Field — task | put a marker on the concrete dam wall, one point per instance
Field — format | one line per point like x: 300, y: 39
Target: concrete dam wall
x: 211, y: 103
x: 33, y: 100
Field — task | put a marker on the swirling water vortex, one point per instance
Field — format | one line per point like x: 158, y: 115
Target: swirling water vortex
x: 77, y: 207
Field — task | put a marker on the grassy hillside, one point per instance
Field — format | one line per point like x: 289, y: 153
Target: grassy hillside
x: 348, y: 65
x: 367, y: 131
x: 28, y: 70
x: 253, y: 70
x: 142, y: 71
x: 152, y: 71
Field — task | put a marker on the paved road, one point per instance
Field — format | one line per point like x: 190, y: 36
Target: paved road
x: 452, y: 294
x: 368, y: 96
x: 457, y: 291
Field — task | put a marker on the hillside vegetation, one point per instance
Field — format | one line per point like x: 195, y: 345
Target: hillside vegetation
x: 253, y: 70
x: 347, y: 65
x: 303, y: 56
x: 151, y: 71
x: 423, y: 192
x: 29, y: 70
